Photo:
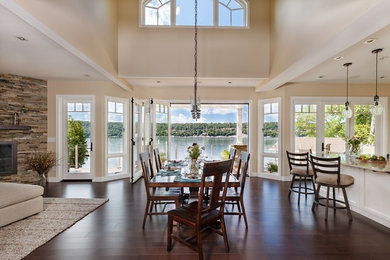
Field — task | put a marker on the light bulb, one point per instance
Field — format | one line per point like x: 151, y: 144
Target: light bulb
x: 377, y: 109
x: 347, y: 112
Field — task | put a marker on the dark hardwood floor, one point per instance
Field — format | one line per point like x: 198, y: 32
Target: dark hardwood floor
x: 278, y: 228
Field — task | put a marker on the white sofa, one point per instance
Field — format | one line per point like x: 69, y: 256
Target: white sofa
x: 18, y: 201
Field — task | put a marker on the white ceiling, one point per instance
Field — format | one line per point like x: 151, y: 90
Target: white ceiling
x: 39, y: 57
x: 189, y: 82
x: 362, y: 69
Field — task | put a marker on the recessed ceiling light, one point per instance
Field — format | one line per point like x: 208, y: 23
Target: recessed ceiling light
x: 384, y: 57
x: 369, y: 41
x: 158, y: 81
x: 321, y: 76
x: 354, y: 77
x: 230, y: 82
x: 86, y: 75
x: 21, y: 38
x: 338, y: 58
x: 382, y: 77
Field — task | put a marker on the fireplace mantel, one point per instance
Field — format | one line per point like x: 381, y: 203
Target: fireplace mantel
x: 15, y: 127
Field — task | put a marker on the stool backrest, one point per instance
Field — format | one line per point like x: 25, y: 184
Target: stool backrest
x: 298, y: 160
x: 326, y: 166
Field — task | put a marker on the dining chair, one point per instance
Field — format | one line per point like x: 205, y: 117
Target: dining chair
x: 157, y: 159
x: 236, y: 197
x: 197, y: 215
x: 232, y: 153
x: 327, y: 174
x: 156, y: 196
x: 300, y: 168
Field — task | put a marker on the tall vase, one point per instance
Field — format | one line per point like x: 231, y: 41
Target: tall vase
x: 194, y: 171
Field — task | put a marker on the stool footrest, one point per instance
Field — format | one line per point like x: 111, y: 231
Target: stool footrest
x: 320, y: 200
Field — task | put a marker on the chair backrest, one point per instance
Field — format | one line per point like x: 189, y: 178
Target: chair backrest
x: 298, y: 160
x: 157, y: 159
x: 147, y: 170
x: 232, y: 153
x: 242, y: 171
x: 326, y: 166
x: 216, y: 171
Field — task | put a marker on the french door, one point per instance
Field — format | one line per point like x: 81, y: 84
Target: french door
x: 162, y: 129
x: 75, y: 136
x: 269, y: 136
x: 141, y: 137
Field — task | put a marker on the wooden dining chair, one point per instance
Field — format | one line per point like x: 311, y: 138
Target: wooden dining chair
x: 232, y: 153
x: 236, y: 197
x: 156, y: 196
x: 300, y: 168
x: 157, y: 159
x: 327, y: 174
x: 197, y: 215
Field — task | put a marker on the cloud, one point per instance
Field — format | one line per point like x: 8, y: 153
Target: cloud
x: 181, y: 118
x: 178, y: 10
x: 219, y: 111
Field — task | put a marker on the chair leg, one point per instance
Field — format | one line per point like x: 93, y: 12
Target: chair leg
x: 299, y: 190
x: 327, y: 203
x: 238, y: 206
x: 305, y: 188
x: 334, y: 200
x: 313, y: 185
x: 315, y: 201
x: 347, y: 204
x: 199, y: 242
x: 223, y: 227
x: 146, y: 213
x: 291, y: 186
x: 169, y: 234
x: 244, y: 212
x: 151, y: 206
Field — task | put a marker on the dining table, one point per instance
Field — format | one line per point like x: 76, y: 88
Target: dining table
x: 177, y: 176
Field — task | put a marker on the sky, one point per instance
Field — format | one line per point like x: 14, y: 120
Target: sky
x: 209, y: 114
x: 185, y: 13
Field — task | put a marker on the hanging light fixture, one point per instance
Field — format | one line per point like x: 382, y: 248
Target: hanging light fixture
x: 195, y: 101
x: 347, y: 112
x: 377, y: 108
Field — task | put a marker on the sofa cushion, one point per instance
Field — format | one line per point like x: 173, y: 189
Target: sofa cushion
x: 12, y: 193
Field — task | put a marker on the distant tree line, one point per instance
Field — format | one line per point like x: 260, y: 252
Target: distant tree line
x: 115, y: 129
x: 200, y: 129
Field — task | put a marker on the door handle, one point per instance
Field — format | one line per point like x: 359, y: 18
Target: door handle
x: 132, y: 141
x: 322, y: 147
x: 91, y: 146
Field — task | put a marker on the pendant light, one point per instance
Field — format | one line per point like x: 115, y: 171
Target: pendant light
x: 377, y: 108
x: 195, y: 101
x: 347, y: 112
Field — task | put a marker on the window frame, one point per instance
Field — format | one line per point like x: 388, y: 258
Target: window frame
x: 244, y: 3
x: 381, y: 121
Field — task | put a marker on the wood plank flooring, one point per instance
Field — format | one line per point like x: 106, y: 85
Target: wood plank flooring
x: 278, y: 228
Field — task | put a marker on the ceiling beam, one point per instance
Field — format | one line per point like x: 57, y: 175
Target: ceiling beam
x: 28, y: 18
x: 372, y: 21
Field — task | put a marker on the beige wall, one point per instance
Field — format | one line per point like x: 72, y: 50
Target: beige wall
x: 300, y: 26
x: 91, y: 26
x: 317, y: 90
x: 169, y: 52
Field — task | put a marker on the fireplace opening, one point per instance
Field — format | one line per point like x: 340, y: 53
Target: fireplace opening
x: 8, y: 158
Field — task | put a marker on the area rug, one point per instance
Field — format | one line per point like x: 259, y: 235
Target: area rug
x: 19, y: 239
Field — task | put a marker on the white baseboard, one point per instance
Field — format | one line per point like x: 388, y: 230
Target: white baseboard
x: 53, y: 179
x: 271, y: 176
x: 111, y: 178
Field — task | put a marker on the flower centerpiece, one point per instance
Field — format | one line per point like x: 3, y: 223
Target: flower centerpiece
x: 194, y: 151
x: 353, y: 144
x: 42, y: 162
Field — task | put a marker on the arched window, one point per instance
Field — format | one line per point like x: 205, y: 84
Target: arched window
x: 213, y: 13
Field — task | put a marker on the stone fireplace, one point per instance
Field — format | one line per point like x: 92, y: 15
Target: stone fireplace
x: 19, y: 140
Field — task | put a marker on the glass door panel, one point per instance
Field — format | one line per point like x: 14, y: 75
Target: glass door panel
x: 365, y: 128
x: 305, y: 127
x: 161, y: 134
x: 116, y: 136
x: 334, y: 129
x: 136, y: 139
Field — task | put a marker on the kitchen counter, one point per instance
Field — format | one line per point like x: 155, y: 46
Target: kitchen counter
x: 375, y: 166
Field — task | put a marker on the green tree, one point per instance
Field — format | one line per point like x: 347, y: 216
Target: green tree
x: 76, y: 136
x: 305, y: 124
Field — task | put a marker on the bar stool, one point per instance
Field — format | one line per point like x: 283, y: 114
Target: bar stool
x: 300, y: 168
x: 327, y: 173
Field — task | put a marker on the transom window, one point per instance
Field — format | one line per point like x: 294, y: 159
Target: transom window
x: 219, y: 13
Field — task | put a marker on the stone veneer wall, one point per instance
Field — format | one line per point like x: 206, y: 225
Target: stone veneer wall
x: 28, y: 97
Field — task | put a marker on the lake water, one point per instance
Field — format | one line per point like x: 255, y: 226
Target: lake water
x: 214, y: 145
